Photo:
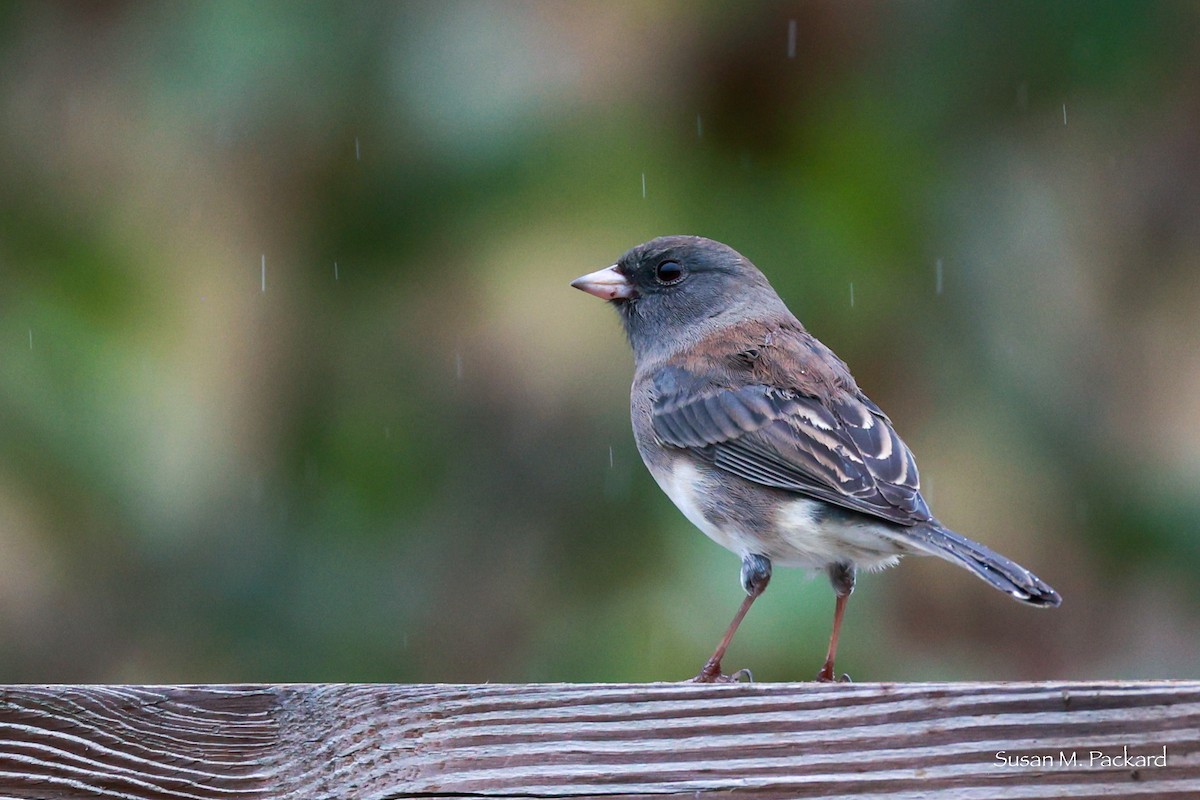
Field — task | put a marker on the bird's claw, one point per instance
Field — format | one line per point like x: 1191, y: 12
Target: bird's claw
x: 712, y: 674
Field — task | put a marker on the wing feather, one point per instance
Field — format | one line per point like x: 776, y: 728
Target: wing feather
x: 844, y: 451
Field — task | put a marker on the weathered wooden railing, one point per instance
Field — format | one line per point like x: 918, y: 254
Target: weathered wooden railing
x: 968, y: 741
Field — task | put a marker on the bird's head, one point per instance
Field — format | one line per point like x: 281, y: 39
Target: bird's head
x: 673, y: 290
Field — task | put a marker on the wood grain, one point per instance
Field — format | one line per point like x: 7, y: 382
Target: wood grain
x: 622, y: 740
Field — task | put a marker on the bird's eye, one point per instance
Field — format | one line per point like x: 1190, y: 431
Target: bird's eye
x: 669, y: 272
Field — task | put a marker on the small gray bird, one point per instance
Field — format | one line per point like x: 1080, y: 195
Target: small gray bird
x: 761, y: 437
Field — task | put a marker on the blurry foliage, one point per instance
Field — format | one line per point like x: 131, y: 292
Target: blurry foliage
x: 408, y: 458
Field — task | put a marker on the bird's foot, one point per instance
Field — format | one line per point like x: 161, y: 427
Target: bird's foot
x: 826, y: 675
x: 712, y: 674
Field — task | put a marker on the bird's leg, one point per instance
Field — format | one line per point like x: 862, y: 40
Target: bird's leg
x: 841, y: 575
x: 756, y: 574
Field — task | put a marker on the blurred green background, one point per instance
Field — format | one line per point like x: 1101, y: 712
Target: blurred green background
x: 293, y: 387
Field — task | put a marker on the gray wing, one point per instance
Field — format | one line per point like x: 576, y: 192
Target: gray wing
x: 844, y: 452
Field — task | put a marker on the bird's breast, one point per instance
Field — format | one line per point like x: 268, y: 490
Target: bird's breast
x: 693, y: 492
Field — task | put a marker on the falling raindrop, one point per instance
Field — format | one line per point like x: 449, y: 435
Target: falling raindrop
x: 852, y: 294
x: 1064, y: 115
x: 264, y: 272
x: 610, y: 457
x: 939, y: 276
x: 791, y: 38
x: 335, y: 271
x: 357, y: 151
x: 643, y: 186
x: 31, y: 338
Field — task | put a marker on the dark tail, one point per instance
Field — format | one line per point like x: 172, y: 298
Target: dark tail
x: 1007, y: 576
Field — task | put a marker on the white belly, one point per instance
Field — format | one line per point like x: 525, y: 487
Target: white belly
x: 795, y: 538
x: 685, y: 486
x: 809, y: 544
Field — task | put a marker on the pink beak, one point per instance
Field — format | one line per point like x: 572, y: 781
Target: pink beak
x: 607, y: 284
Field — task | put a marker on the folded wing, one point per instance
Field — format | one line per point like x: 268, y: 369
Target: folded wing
x: 843, y: 451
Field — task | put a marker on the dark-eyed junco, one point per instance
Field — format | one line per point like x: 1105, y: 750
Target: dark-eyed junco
x: 761, y: 437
